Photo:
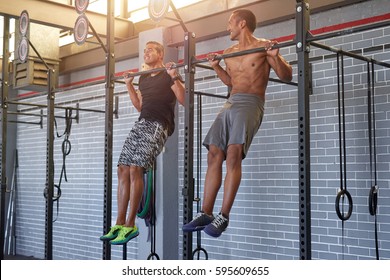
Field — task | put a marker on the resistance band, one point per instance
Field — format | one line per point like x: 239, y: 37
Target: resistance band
x: 147, y: 209
x: 143, y: 210
x: 66, y: 148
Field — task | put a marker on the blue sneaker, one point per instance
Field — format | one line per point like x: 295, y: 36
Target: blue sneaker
x: 217, y: 226
x: 113, y: 233
x: 125, y: 235
x: 200, y: 221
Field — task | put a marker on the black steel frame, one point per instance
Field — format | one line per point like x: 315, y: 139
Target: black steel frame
x: 110, y: 84
x: 4, y: 93
x: 303, y: 49
x: 302, y: 42
x: 188, y: 188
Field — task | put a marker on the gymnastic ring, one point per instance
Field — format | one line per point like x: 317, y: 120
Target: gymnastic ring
x: 373, y: 200
x: 152, y: 256
x: 337, y: 204
x: 198, y: 250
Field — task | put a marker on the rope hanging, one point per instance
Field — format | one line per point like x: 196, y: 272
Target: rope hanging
x: 342, y: 150
x: 66, y: 148
x: 373, y: 194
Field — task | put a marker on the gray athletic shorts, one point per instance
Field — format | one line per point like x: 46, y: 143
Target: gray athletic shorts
x: 144, y: 143
x: 237, y: 122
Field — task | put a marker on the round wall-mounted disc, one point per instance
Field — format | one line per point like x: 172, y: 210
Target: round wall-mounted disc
x: 81, y: 29
x: 23, y: 50
x: 81, y: 6
x: 24, y: 23
x: 158, y: 9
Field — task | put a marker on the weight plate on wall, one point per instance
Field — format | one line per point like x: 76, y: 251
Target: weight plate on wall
x: 23, y: 50
x: 158, y: 9
x: 81, y: 6
x: 24, y: 23
x: 80, y: 31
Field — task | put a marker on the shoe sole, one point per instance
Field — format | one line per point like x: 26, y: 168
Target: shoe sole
x: 131, y: 236
x: 213, y: 234
x: 109, y: 238
x: 194, y: 229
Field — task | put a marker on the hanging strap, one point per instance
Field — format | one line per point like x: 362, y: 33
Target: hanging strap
x: 342, y: 146
x: 373, y: 194
x: 66, y: 148
x: 342, y: 152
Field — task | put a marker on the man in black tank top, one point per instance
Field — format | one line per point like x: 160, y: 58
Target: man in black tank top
x: 155, y: 99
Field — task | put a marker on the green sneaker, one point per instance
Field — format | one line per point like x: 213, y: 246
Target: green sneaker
x: 125, y: 235
x: 113, y: 233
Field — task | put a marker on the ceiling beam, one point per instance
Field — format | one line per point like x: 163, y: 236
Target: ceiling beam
x: 211, y: 24
x: 266, y: 11
x: 96, y: 57
x: 63, y: 16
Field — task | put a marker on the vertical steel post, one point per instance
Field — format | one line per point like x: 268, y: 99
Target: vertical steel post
x: 49, y: 167
x: 110, y: 72
x: 303, y: 49
x: 188, y: 189
x: 4, y: 106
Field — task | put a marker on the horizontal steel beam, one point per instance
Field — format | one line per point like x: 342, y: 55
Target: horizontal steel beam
x: 266, y: 12
x: 63, y: 16
x: 214, y: 15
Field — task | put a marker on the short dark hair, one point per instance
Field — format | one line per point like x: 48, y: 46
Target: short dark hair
x: 159, y: 46
x: 248, y: 16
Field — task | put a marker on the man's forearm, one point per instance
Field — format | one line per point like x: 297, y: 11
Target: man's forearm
x: 282, y: 68
x: 134, y: 96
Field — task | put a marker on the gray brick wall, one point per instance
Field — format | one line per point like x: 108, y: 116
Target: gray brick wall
x: 264, y: 219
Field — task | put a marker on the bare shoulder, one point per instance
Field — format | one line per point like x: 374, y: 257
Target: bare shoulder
x: 231, y: 49
x: 260, y: 42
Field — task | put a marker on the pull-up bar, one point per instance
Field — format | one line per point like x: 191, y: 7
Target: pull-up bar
x: 244, y: 52
x: 218, y: 57
x: 350, y: 54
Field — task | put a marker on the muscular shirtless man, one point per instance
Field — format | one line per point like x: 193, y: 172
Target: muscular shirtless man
x: 238, y: 121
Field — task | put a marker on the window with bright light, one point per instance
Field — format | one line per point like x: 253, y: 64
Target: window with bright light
x: 11, y: 46
x: 137, y: 11
x: 100, y: 6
